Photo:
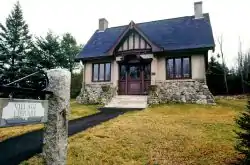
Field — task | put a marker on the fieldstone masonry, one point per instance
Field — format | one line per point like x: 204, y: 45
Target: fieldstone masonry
x: 97, y: 93
x: 56, y: 128
x: 178, y: 91
x: 181, y: 91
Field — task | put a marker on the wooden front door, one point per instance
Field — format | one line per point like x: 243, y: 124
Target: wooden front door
x: 134, y: 79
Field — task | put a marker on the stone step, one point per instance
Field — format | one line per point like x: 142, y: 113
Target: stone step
x: 126, y: 105
x: 127, y: 102
x: 136, y: 98
x: 122, y: 97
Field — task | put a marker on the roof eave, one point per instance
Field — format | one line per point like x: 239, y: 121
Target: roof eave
x: 83, y: 59
x: 191, y: 49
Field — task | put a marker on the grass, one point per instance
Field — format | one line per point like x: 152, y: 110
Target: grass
x: 77, y: 111
x: 168, y: 134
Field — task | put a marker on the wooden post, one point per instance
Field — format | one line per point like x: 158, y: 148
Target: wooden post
x: 142, y: 79
x: 126, y: 86
x: 83, y: 75
x: 56, y: 129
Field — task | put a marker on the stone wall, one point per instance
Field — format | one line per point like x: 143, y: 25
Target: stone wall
x: 180, y: 91
x: 97, y: 93
x: 232, y: 97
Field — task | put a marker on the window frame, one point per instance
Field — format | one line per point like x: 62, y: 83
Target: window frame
x: 144, y: 66
x: 174, y: 74
x: 98, y: 78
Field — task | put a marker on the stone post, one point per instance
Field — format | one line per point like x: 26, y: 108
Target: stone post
x: 56, y: 128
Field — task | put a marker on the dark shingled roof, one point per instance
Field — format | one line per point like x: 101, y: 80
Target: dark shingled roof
x: 169, y: 34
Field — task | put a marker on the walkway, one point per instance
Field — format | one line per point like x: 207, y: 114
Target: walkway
x: 17, y: 149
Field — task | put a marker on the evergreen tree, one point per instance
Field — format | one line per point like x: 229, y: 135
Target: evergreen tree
x: 215, y: 79
x: 243, y: 136
x: 47, y: 52
x: 15, y: 46
x: 76, y: 84
x: 69, y: 49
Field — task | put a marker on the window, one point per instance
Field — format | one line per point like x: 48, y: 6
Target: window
x: 108, y: 71
x: 101, y: 72
x: 134, y: 72
x: 122, y: 72
x: 147, y: 72
x: 178, y: 68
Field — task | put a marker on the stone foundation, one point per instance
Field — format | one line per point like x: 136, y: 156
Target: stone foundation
x: 180, y: 91
x: 97, y: 93
x: 232, y: 97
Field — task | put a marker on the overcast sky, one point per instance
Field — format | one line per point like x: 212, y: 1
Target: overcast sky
x: 80, y: 17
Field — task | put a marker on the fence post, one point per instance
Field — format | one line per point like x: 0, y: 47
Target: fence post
x: 56, y: 128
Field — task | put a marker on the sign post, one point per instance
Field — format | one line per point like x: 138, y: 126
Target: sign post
x: 56, y: 128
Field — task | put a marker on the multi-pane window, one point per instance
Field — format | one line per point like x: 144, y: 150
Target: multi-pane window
x: 178, y: 68
x: 122, y: 72
x: 147, y: 72
x: 101, y: 72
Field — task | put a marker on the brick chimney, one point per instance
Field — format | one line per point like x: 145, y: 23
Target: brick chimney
x: 198, y: 10
x: 103, y: 24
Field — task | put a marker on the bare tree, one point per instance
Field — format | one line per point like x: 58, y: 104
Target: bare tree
x: 247, y: 65
x: 241, y: 65
x: 220, y: 42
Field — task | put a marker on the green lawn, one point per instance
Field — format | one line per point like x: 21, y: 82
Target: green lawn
x: 174, y: 134
x: 77, y: 111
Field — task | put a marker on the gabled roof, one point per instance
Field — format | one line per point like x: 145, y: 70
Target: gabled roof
x: 170, y: 34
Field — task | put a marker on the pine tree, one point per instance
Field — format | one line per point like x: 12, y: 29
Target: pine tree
x: 47, y: 52
x: 15, y: 46
x: 53, y: 52
x: 69, y: 49
x: 243, y: 136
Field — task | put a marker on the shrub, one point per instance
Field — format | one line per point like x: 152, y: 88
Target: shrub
x: 243, y: 135
x: 76, y: 84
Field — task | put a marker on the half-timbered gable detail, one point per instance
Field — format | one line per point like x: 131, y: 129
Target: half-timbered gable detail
x: 133, y: 41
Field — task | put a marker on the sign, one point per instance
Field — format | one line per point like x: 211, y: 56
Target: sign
x: 22, y: 111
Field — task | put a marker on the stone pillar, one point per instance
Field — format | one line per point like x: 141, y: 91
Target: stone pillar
x: 56, y: 128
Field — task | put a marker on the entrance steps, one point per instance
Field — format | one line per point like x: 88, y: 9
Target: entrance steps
x: 127, y: 102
